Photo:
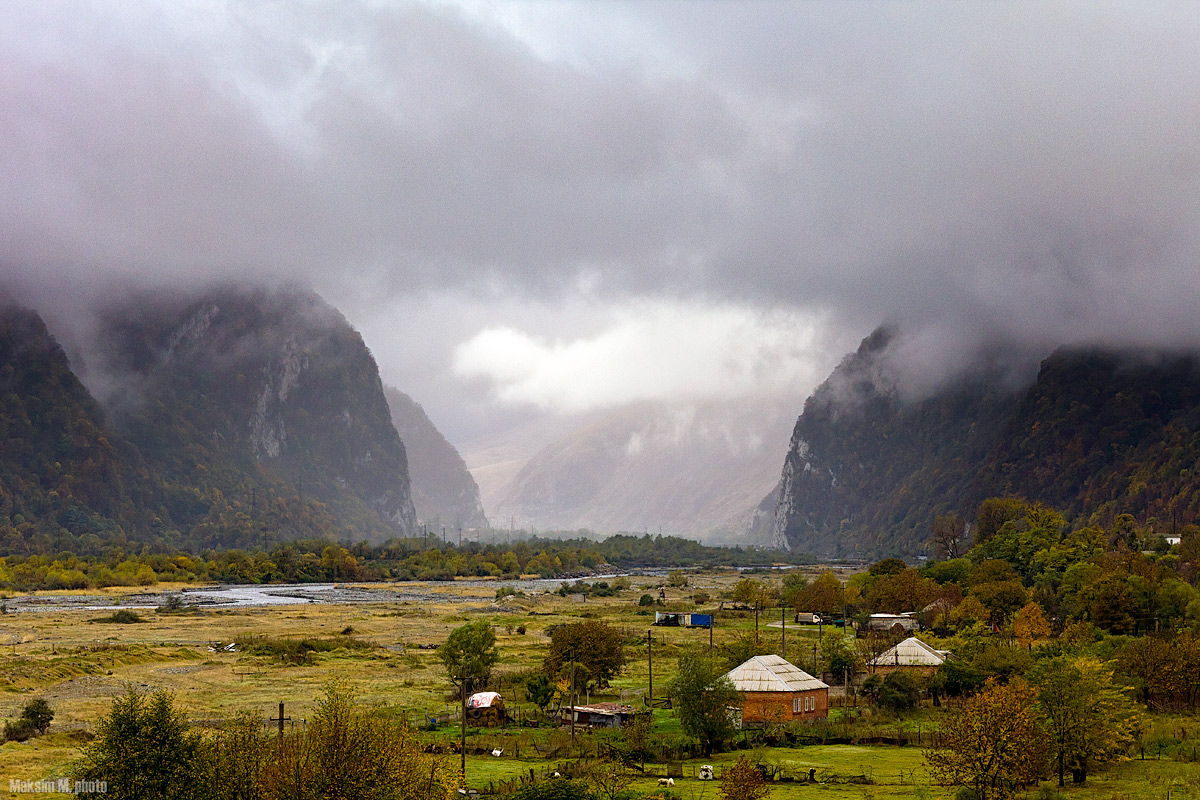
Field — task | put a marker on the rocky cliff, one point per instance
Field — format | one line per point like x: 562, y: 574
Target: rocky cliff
x: 1097, y: 434
x: 246, y: 401
x: 444, y: 493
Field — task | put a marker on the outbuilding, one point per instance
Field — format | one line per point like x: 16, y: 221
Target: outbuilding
x: 486, y: 708
x: 777, y: 691
x: 910, y: 655
x: 601, y: 715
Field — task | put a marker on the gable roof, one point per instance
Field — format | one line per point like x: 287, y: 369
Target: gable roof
x: 772, y: 674
x: 912, y: 652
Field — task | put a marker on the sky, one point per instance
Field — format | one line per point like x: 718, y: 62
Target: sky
x: 560, y: 207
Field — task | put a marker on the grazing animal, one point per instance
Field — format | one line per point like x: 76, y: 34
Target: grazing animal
x: 666, y: 781
x: 498, y: 751
x: 706, y: 772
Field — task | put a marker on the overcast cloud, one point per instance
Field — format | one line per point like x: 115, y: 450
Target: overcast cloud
x: 541, y: 205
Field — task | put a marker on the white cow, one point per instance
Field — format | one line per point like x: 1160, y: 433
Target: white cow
x: 706, y: 772
x: 666, y: 781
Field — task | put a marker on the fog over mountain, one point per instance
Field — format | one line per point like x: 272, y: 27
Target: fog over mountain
x: 532, y: 210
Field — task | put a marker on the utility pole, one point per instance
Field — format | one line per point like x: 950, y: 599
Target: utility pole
x: 783, y: 622
x: 462, y: 732
x: 650, y: 666
x: 572, y: 696
x: 756, y: 640
x: 712, y: 623
x: 460, y: 537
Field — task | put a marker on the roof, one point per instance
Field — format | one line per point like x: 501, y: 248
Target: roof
x: 772, y: 674
x: 912, y: 652
x: 606, y: 709
x: 482, y: 699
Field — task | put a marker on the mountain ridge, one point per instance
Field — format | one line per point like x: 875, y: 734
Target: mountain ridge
x: 1100, y: 431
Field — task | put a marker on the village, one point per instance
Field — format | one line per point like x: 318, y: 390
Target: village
x: 807, y: 700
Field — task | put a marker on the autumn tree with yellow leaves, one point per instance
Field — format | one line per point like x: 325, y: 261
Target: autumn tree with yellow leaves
x: 1088, y: 719
x: 995, y: 745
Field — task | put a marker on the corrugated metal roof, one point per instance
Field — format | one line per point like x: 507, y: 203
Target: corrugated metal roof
x: 912, y: 652
x: 772, y: 674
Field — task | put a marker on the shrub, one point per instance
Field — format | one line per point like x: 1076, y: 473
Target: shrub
x: 348, y: 751
x: 645, y: 600
x: 122, y: 617
x: 173, y: 604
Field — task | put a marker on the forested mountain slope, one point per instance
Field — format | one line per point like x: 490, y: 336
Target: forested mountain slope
x: 233, y: 418
x: 56, y: 460
x: 1098, y: 433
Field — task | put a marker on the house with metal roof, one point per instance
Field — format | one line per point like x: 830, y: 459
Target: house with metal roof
x: 776, y: 691
x: 911, y: 655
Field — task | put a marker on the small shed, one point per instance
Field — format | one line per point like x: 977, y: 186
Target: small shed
x: 911, y: 655
x: 601, y: 715
x: 486, y: 708
x: 777, y: 691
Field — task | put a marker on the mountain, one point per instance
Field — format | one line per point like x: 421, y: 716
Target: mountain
x: 231, y: 418
x: 443, y: 491
x: 696, y: 470
x: 1098, y: 433
x: 57, y: 463
x: 238, y: 392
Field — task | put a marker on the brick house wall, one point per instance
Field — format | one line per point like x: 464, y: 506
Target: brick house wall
x: 780, y: 707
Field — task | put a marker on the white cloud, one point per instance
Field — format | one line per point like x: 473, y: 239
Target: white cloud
x: 654, y: 351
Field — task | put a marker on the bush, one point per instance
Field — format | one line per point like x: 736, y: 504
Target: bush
x: 173, y: 604
x: 645, y: 600
x: 122, y: 617
x: 18, y: 731
x: 348, y: 751
x: 298, y: 651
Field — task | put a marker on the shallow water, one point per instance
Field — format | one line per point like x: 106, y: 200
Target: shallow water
x: 243, y: 596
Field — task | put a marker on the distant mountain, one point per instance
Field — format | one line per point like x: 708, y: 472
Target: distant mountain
x: 1098, y: 433
x: 232, y: 418
x: 444, y: 493
x: 693, y: 470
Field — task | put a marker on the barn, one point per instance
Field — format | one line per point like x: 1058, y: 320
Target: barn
x: 776, y: 691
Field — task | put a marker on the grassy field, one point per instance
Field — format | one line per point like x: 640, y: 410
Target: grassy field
x: 78, y: 666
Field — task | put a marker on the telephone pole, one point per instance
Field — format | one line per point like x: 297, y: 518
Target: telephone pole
x: 783, y: 623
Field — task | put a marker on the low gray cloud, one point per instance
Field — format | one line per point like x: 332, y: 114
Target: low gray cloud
x: 1020, y: 172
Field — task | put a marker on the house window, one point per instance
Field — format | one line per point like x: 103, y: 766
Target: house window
x: 796, y: 705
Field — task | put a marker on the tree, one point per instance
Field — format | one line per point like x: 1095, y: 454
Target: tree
x: 742, y: 649
x: 34, y: 720
x: 994, y: 746
x: 469, y: 654
x: 540, y: 691
x: 839, y: 659
x: 743, y: 781
x: 702, y: 696
x: 143, y: 748
x: 1030, y: 625
x: 948, y: 534
x: 346, y: 751
x: 239, y: 754
x: 611, y: 778
x: 594, y: 645
x: 1088, y: 719
x: 897, y: 691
